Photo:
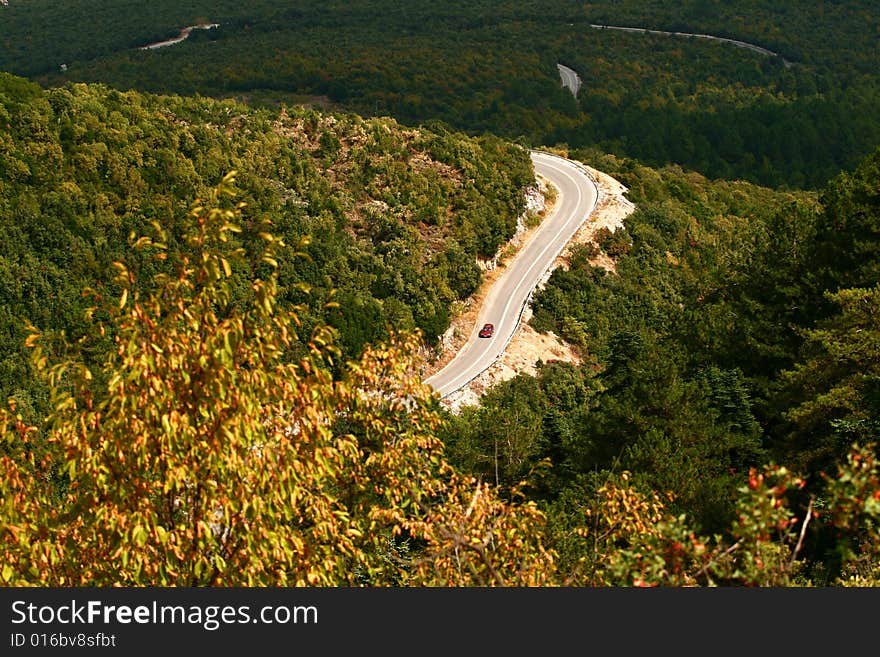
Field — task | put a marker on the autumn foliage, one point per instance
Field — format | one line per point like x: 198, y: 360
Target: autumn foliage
x: 198, y: 455
x: 203, y: 453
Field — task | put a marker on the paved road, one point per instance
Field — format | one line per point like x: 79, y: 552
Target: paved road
x: 505, y: 301
x: 735, y: 42
x: 570, y: 79
x: 183, y: 36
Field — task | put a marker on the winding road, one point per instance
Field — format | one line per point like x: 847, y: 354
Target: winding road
x: 734, y: 42
x: 183, y: 36
x: 505, y: 302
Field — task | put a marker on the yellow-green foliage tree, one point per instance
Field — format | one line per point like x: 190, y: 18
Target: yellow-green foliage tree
x: 199, y: 456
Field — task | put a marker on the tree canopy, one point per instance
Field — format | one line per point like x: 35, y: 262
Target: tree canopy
x: 199, y: 453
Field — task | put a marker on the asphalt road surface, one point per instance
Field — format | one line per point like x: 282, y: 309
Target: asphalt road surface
x: 576, y: 200
x: 735, y: 42
x: 570, y: 79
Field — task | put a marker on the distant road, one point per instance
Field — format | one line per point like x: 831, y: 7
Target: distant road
x: 735, y: 42
x: 570, y: 79
x: 183, y: 36
x: 576, y: 200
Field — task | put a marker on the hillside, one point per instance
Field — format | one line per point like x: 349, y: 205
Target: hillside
x: 202, y: 452
x: 723, y: 111
x: 396, y: 217
x: 722, y: 326
x: 216, y: 298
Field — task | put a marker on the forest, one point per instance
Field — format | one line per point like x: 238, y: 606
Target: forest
x: 739, y: 327
x: 729, y: 388
x: 491, y: 67
x: 223, y: 264
x: 395, y: 218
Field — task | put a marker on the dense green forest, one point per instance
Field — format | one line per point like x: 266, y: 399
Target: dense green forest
x: 718, y: 109
x: 396, y: 218
x: 199, y: 453
x: 739, y: 327
x: 196, y: 263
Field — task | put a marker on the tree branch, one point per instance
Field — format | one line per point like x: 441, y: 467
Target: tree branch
x: 800, y: 542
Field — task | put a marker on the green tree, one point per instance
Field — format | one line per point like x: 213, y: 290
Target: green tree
x: 834, y: 391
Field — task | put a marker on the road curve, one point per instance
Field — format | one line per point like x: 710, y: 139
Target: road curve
x: 735, y: 42
x: 183, y: 36
x: 570, y: 79
x: 503, y: 306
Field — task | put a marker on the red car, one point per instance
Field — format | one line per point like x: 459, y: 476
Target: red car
x: 487, y: 330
